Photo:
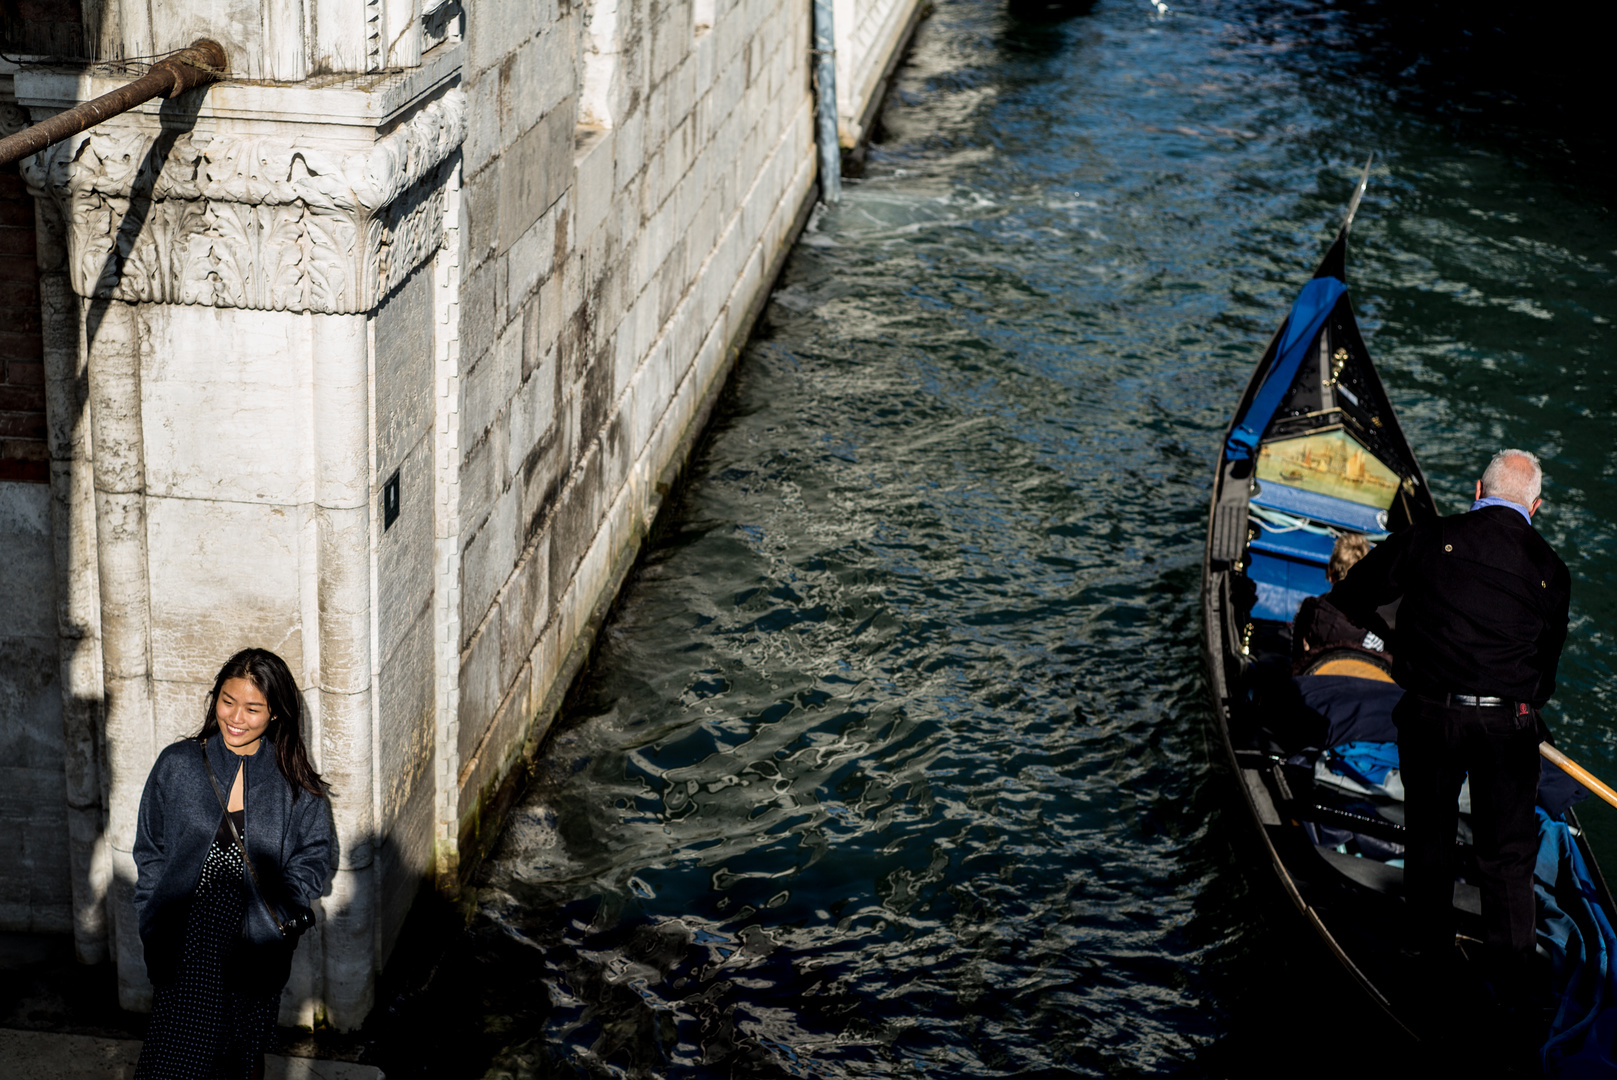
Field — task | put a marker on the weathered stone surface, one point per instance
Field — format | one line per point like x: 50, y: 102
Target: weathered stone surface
x: 179, y: 708
x: 34, y: 836
x: 251, y: 222
x: 532, y: 256
x: 407, y: 759
x: 537, y: 171
x: 215, y: 393
x: 224, y: 576
x: 480, y: 216
x: 35, y: 892
x: 403, y: 329
x: 482, y: 310
x: 404, y: 573
x: 35, y: 895
x: 480, y: 689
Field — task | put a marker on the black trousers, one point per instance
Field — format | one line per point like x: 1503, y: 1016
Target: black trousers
x: 1438, y: 745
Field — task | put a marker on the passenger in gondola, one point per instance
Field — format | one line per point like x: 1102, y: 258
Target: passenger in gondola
x: 1319, y: 626
x: 1480, y: 630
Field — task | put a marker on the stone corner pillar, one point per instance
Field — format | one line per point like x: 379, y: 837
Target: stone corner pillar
x: 219, y: 274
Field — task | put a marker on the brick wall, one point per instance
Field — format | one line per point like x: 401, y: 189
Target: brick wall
x: 23, y: 451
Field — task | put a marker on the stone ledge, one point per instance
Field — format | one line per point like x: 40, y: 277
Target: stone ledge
x: 364, y: 101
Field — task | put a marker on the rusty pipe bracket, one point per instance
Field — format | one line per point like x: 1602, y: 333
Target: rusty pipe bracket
x: 203, y: 62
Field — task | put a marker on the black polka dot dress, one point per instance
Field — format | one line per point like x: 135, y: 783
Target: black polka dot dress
x: 202, y: 1028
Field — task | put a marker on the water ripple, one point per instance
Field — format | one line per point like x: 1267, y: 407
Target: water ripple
x: 893, y: 759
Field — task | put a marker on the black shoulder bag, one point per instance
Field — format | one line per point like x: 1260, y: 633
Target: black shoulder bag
x: 302, y: 918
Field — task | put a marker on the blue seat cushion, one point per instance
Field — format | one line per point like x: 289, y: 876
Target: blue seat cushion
x: 1296, y: 544
x: 1326, y: 508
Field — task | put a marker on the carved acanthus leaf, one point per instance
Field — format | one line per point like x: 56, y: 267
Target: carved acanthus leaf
x: 254, y: 170
x: 237, y: 221
x: 12, y: 118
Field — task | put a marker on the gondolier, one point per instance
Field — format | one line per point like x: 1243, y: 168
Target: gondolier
x: 1478, y: 637
x: 1314, y: 453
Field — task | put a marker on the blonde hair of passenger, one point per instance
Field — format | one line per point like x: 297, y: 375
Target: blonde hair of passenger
x: 1349, y: 549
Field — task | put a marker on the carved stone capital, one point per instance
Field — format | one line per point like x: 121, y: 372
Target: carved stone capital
x: 12, y: 118
x: 250, y: 221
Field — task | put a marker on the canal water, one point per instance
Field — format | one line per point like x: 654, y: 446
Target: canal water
x: 894, y: 758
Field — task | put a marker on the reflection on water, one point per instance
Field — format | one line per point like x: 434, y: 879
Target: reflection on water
x: 894, y: 757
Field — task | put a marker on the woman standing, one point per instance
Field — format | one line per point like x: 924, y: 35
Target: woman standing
x: 218, y: 929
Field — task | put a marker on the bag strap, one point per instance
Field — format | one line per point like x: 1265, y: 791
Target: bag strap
x: 241, y: 844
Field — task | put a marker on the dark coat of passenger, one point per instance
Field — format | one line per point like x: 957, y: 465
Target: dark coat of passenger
x: 1485, y: 601
x: 289, y: 840
x: 1324, y: 628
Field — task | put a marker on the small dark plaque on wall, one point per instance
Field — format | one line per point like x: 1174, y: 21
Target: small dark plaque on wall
x: 390, y: 501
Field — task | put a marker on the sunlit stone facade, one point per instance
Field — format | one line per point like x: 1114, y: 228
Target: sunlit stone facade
x: 499, y: 255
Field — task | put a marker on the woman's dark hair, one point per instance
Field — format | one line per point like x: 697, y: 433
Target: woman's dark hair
x: 274, y: 680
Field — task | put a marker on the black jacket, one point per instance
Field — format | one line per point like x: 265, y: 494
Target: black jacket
x: 1322, y: 627
x: 289, y: 841
x: 1484, y: 607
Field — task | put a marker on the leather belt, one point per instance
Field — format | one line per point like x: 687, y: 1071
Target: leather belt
x: 1474, y: 701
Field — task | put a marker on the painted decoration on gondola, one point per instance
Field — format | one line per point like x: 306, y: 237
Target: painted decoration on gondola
x: 1329, y: 463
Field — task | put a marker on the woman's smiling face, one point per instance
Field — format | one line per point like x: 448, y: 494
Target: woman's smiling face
x: 243, y: 714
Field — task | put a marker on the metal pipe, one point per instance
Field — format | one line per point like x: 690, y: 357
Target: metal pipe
x: 825, y: 101
x: 200, y: 64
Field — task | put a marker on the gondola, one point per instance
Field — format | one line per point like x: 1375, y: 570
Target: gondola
x: 1313, y: 451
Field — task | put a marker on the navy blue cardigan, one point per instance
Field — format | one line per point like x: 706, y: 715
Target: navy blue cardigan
x: 289, y: 841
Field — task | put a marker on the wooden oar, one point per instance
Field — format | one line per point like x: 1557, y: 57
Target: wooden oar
x: 1578, y: 772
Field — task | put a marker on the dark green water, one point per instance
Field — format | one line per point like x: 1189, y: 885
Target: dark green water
x: 894, y: 758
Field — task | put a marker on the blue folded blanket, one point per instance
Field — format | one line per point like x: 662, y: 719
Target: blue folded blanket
x: 1583, y: 950
x: 1358, y: 713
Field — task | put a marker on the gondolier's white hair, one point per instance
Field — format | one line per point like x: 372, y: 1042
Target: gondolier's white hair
x: 1504, y: 479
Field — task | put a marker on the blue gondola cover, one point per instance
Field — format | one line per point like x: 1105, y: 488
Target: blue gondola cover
x: 1283, y: 584
x: 1326, y: 508
x: 1295, y: 544
x: 1303, y: 325
x: 1583, y: 947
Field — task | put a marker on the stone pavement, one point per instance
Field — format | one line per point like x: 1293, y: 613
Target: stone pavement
x: 40, y: 1055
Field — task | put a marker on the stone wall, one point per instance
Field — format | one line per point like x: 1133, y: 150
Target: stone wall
x: 23, y: 453
x: 34, y: 891
x: 242, y: 324
x: 387, y: 372
x: 869, y: 35
x: 602, y: 299
x: 34, y: 894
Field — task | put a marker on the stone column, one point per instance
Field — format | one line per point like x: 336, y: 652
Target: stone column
x: 112, y: 351
x: 225, y: 261
x: 78, y: 617
x: 342, y: 454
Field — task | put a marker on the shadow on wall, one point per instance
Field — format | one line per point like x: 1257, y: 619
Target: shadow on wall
x: 179, y: 117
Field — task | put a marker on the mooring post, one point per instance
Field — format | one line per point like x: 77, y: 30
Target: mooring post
x: 825, y: 101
